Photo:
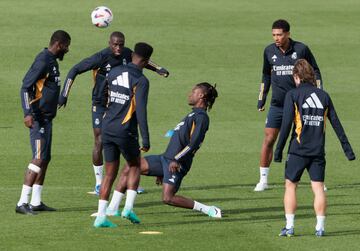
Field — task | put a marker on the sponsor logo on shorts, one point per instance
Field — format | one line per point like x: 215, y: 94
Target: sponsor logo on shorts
x: 97, y: 121
x: 172, y: 180
x: 42, y: 130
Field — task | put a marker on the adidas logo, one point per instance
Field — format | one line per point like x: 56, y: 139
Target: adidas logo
x: 312, y: 102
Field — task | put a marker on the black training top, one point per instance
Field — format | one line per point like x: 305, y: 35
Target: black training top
x: 41, y: 87
x: 101, y: 63
x: 307, y: 107
x: 128, y: 95
x: 278, y: 69
x: 187, y: 138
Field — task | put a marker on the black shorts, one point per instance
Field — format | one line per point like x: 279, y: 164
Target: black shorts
x: 295, y: 166
x: 274, y: 117
x: 159, y: 166
x: 40, y: 139
x: 98, y: 112
x: 113, y: 147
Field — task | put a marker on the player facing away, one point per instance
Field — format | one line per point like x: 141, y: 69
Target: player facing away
x: 307, y: 108
x: 279, y: 60
x: 101, y: 63
x: 173, y: 165
x: 39, y: 97
x: 128, y: 94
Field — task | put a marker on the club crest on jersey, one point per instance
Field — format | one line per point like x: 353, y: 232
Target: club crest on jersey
x: 108, y: 67
x: 294, y: 56
x: 54, y: 70
x: 274, y: 58
x: 124, y: 62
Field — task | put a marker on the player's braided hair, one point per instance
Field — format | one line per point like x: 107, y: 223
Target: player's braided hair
x: 210, y: 93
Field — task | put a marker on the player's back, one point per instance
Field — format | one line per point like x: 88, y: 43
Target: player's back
x: 120, y: 119
x: 311, y: 106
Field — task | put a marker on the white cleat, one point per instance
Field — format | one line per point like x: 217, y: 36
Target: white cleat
x: 325, y: 188
x: 261, y: 187
x: 214, y: 212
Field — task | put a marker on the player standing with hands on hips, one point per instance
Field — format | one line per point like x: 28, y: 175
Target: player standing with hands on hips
x: 279, y: 60
x: 307, y: 108
x: 39, y: 97
x: 128, y: 95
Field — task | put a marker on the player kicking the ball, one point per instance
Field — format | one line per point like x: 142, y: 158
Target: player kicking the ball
x: 172, y: 166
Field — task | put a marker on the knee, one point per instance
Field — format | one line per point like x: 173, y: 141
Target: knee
x: 167, y: 199
x: 269, y: 140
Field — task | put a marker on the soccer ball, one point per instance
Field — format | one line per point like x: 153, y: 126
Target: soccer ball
x: 101, y: 17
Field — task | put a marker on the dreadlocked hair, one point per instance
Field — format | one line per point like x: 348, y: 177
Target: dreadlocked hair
x: 210, y: 94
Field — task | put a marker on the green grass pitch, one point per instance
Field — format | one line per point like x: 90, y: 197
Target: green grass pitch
x: 205, y: 40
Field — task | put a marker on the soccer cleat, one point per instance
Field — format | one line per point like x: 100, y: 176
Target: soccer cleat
x: 319, y: 233
x: 42, y: 207
x: 113, y: 212
x: 140, y: 190
x: 214, y: 212
x: 261, y: 187
x: 102, y: 221
x: 130, y: 215
x: 287, y: 232
x: 325, y: 188
x: 24, y: 209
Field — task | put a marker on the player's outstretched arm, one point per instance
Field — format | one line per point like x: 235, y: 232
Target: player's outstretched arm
x: 90, y: 63
x: 339, y: 130
x: 158, y: 69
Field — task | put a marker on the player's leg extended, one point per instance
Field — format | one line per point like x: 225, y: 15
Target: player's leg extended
x: 266, y: 157
x: 290, y: 205
x: 169, y: 197
x: 319, y: 206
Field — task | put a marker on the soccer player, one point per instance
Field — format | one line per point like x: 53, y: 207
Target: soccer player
x: 128, y: 94
x: 172, y: 166
x: 279, y: 60
x: 101, y: 63
x: 39, y: 97
x: 307, y: 107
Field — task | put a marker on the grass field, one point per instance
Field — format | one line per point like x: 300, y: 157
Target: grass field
x: 204, y: 40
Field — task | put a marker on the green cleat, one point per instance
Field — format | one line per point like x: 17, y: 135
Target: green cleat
x: 102, y: 221
x: 130, y: 215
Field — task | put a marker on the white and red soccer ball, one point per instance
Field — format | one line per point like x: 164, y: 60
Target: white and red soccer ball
x: 101, y: 17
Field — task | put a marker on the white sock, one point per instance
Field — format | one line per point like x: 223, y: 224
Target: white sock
x: 102, y: 207
x: 130, y: 199
x: 36, y: 195
x: 289, y: 220
x: 115, y: 200
x: 25, y: 195
x: 98, y: 171
x: 320, y: 223
x: 201, y: 207
x: 264, y: 172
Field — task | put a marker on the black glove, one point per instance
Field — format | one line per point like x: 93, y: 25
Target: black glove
x: 62, y: 101
x: 261, y: 104
x: 163, y: 72
x: 350, y: 155
x: 277, y: 156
